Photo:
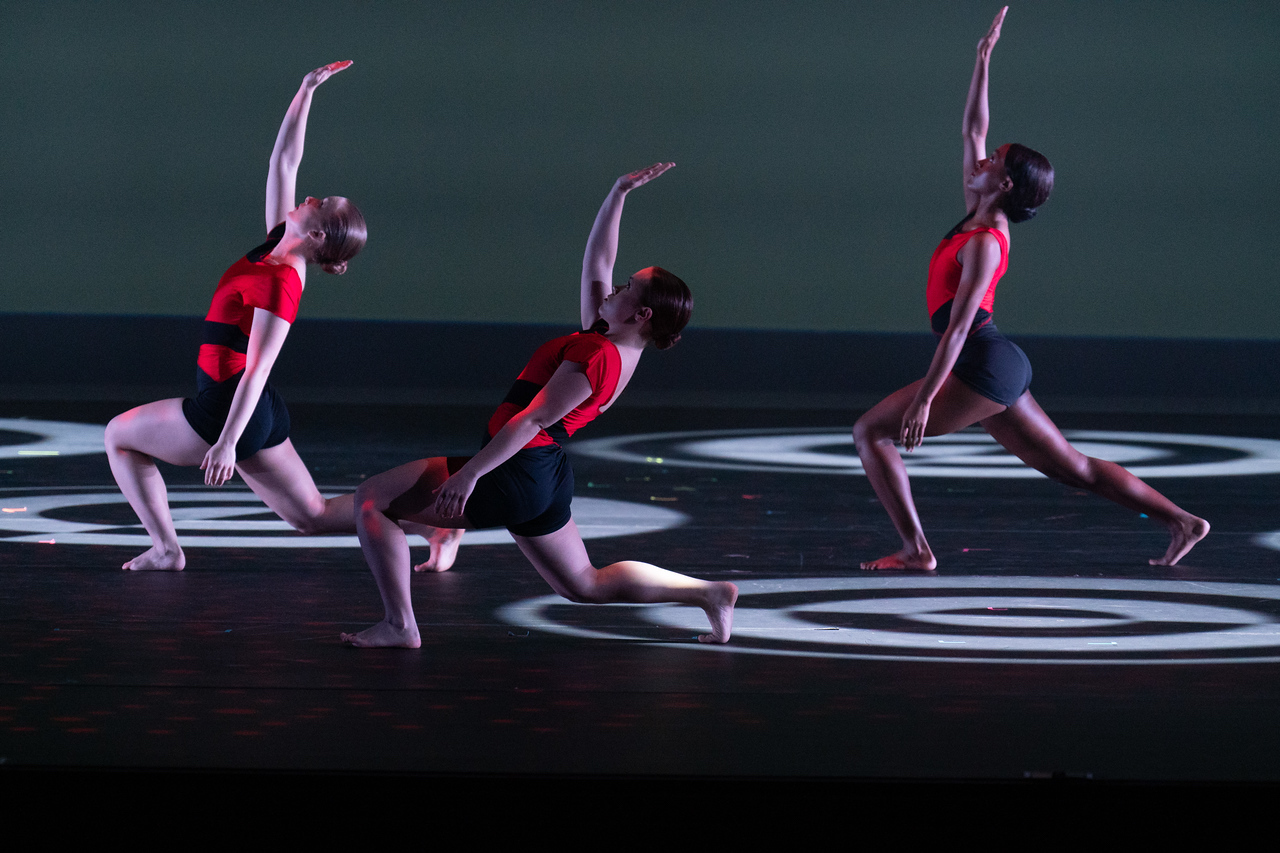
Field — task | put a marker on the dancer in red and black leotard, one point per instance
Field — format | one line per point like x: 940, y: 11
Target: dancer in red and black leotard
x: 237, y: 421
x: 251, y: 283
x: 520, y: 479
x: 977, y: 375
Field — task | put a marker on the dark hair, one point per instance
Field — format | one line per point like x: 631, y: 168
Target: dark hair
x: 671, y: 303
x: 1032, y: 178
x: 344, y: 236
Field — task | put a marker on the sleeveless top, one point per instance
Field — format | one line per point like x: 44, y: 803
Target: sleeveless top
x: 248, y: 284
x: 603, y: 367
x: 944, y: 279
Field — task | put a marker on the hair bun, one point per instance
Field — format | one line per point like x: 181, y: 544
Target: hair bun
x: 335, y: 269
x: 667, y: 341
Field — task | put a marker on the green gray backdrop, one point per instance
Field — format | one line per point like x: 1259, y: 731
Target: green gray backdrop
x: 817, y: 143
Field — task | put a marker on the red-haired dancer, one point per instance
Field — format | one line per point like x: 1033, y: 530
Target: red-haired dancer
x: 237, y: 421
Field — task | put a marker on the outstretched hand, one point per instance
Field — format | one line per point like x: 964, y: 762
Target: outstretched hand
x: 993, y: 35
x: 324, y: 72
x: 640, y: 177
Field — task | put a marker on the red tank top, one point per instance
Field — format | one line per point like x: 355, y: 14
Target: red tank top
x: 601, y: 363
x: 250, y: 283
x: 945, y: 271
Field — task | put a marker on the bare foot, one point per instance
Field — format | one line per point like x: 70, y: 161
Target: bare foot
x: 903, y: 561
x: 384, y: 635
x: 719, y: 609
x: 1184, y: 534
x: 156, y: 560
x: 444, y: 544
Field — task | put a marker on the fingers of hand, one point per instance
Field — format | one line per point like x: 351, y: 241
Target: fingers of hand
x: 643, y: 176
x: 994, y: 32
x: 445, y: 505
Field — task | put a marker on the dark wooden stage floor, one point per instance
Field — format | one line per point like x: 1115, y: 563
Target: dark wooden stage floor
x: 1044, y: 645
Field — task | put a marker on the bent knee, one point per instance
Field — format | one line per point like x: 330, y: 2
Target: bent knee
x: 585, y: 595
x: 116, y: 432
x: 868, y: 430
x: 582, y: 588
x: 368, y: 501
x: 307, y: 526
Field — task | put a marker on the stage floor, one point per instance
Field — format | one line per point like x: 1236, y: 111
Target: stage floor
x: 1043, y: 645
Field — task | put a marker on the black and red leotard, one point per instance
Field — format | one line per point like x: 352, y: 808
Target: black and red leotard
x: 530, y: 493
x: 250, y: 283
x: 989, y: 363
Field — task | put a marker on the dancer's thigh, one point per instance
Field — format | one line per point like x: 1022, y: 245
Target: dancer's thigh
x: 884, y: 419
x: 1028, y: 433
x: 159, y: 430
x: 561, y: 558
x: 955, y: 407
x: 278, y: 475
x: 407, y: 493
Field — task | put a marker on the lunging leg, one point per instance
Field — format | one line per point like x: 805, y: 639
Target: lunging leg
x: 381, y: 503
x: 1027, y: 432
x: 134, y: 440
x: 279, y: 476
x: 562, y: 560
x: 876, y: 434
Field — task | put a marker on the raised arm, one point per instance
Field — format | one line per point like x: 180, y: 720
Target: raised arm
x: 602, y: 245
x: 282, y: 173
x: 977, y: 110
x: 980, y: 258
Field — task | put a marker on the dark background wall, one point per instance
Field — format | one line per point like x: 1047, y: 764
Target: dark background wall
x: 340, y: 361
x: 817, y: 144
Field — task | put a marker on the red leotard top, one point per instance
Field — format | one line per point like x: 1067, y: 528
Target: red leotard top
x: 250, y: 283
x: 599, y: 359
x: 944, y: 278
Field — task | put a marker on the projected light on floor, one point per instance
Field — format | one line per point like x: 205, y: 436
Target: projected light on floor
x: 1148, y: 455
x: 49, y: 438
x: 1268, y: 540
x: 957, y: 620
x: 227, y: 518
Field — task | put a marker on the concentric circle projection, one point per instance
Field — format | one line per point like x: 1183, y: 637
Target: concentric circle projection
x: 965, y: 454
x: 50, y: 438
x: 975, y: 619
x: 1268, y: 540
x: 227, y: 518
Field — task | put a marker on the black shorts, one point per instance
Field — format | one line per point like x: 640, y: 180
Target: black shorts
x: 994, y: 366
x: 529, y: 494
x: 207, y: 413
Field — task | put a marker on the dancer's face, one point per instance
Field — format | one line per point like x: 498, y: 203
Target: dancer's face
x: 309, y: 215
x: 989, y: 175
x: 624, y: 303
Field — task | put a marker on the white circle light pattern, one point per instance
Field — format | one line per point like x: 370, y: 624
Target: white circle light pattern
x: 1000, y: 620
x: 229, y: 518
x: 1148, y: 455
x: 220, y: 518
x: 51, y: 438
